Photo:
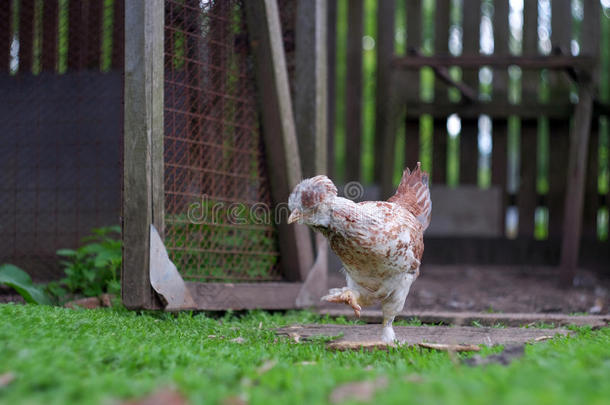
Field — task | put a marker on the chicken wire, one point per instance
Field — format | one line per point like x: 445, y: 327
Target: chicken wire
x: 217, y: 193
x: 61, y: 65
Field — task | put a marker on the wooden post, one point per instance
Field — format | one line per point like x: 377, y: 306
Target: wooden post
x: 411, y: 88
x: 5, y: 36
x: 579, y: 145
x: 310, y: 84
x: 143, y: 199
x: 386, y: 103
x: 331, y: 34
x: 279, y: 132
x: 353, y: 91
x: 26, y: 36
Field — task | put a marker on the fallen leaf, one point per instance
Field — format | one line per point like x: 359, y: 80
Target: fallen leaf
x: 450, y: 348
x: 166, y: 396
x: 295, y: 336
x: 343, y: 345
x: 87, y: 303
x: 357, y: 391
x: 307, y: 363
x: 211, y: 336
x: 106, y: 300
x: 541, y: 338
x: 239, y: 340
x: 6, y: 379
x: 260, y: 325
x: 268, y: 365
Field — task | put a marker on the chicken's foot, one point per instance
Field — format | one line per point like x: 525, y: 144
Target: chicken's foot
x: 346, y: 296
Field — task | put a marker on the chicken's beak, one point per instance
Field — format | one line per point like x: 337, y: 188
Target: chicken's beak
x: 295, y: 216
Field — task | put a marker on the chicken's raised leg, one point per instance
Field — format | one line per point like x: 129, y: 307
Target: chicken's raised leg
x: 344, y: 295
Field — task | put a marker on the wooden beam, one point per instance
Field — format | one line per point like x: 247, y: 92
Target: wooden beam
x: 279, y: 134
x: 387, y: 104
x: 49, y: 35
x: 496, y: 61
x: 240, y: 296
x: 26, y: 35
x: 143, y: 146
x: 353, y: 91
x: 579, y: 145
x: 6, y: 38
x: 411, y: 90
x: 310, y: 85
x: 495, y: 109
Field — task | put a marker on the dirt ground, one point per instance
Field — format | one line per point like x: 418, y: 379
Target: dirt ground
x: 487, y: 289
x: 502, y: 289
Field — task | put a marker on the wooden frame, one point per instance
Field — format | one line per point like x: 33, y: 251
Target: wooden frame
x: 143, y: 200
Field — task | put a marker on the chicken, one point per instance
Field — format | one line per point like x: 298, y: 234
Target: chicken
x: 380, y: 243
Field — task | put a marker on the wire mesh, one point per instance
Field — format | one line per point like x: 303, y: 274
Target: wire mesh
x: 61, y: 64
x: 217, y: 196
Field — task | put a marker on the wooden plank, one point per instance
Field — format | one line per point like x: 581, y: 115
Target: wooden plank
x: 353, y: 91
x: 387, y: 102
x: 439, y: 135
x: 556, y: 62
x: 469, y: 148
x: 94, y: 34
x: 310, y: 85
x: 77, y: 39
x: 331, y: 33
x: 591, y: 199
x: 411, y: 87
x: 143, y: 147
x: 468, y: 318
x: 527, y: 198
x: 579, y: 145
x: 118, y: 34
x: 495, y: 109
x: 279, y: 131
x: 465, y: 211
x: 558, y: 157
x: 240, y: 296
x: 26, y: 35
x: 5, y: 35
x: 424, y: 335
x: 561, y: 35
x: 49, y: 35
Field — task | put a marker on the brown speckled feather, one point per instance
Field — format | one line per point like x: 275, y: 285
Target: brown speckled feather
x: 413, y: 194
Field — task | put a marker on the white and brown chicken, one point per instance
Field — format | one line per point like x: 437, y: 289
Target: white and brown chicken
x: 379, y: 242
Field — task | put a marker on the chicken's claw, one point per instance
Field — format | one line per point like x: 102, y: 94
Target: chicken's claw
x: 347, y: 297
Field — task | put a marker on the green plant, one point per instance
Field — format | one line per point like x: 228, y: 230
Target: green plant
x: 93, y: 268
x: 21, y: 282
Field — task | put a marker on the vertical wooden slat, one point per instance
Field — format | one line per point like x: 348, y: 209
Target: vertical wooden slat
x: 559, y: 129
x: 469, y: 150
x: 143, y: 147
x: 310, y: 88
x: 26, y: 35
x: 499, y: 153
x: 412, y: 85
x: 49, y: 35
x: 441, y: 47
x: 332, y: 74
x: 118, y: 34
x: 387, y: 102
x: 5, y: 35
x: 353, y: 90
x: 76, y: 38
x: 94, y: 33
x: 526, y: 201
x: 279, y: 133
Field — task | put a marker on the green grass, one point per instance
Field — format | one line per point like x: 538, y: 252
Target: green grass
x: 62, y: 356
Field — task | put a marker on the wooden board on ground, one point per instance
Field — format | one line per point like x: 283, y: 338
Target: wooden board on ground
x: 485, y: 319
x: 358, y: 335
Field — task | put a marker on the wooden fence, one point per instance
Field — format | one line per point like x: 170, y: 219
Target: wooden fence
x: 541, y: 88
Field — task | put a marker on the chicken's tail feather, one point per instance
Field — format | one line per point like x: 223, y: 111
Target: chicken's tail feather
x: 413, y: 194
